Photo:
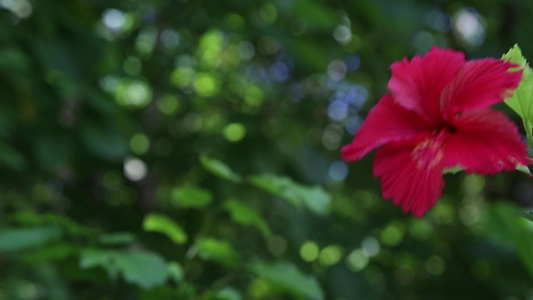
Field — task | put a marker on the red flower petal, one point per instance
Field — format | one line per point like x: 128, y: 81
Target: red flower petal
x: 481, y: 83
x: 485, y: 142
x: 412, y: 185
x: 385, y: 123
x: 417, y: 85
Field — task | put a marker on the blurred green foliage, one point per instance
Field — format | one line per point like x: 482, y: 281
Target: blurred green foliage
x: 190, y: 150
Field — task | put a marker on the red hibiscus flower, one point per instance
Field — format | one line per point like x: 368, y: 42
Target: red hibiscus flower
x: 438, y: 116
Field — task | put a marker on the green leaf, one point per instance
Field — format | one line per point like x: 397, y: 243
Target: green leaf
x: 228, y: 293
x: 502, y: 223
x: 526, y: 214
x: 66, y: 225
x: 192, y: 197
x: 289, y: 278
x: 524, y: 169
x: 166, y: 226
x: 21, y: 239
x: 217, y: 250
x: 100, y: 258
x: 219, y: 168
x: 50, y: 252
x: 117, y: 238
x: 453, y: 170
x: 243, y: 214
x: 175, y: 271
x: 145, y: 269
x: 314, y: 198
x: 522, y: 100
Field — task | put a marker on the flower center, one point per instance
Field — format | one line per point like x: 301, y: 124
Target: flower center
x: 450, y: 128
x: 428, y: 153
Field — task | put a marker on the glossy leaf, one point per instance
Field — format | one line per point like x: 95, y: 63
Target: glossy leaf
x: 145, y: 269
x: 219, y: 168
x: 228, y: 293
x: 522, y: 100
x: 165, y: 225
x: 100, y: 258
x: 503, y: 223
x: 193, y: 197
x: 526, y: 214
x: 217, y: 250
x: 245, y: 215
x: 21, y: 239
x: 314, y: 198
x: 175, y: 271
x: 289, y: 278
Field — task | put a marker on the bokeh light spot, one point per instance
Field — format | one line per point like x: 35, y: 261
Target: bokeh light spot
x: 357, y: 260
x: 133, y: 93
x: 246, y: 50
x: 342, y: 34
x: 338, y: 110
x: 132, y: 66
x: 338, y: 170
x: 444, y: 212
x: 352, y: 124
x: 206, y: 85
x: 211, y: 46
x: 182, y: 77
x: 392, y: 235
x: 277, y: 244
x: 337, y: 70
x: 420, y: 229
x: 234, y: 132
x: 352, y: 62
x: 135, y: 169
x: 438, y: 20
x: 309, y: 251
x: 468, y: 26
x: 193, y: 122
x: 279, y: 71
x: 332, y: 136
x: 234, y: 21
x: 168, y: 104
x: 330, y: 255
x: 435, y: 265
x: 20, y: 8
x: 423, y: 40
x: 268, y: 13
x: 114, y: 19
x: 370, y: 245
x: 253, y: 95
x: 139, y: 143
x: 170, y: 38
x: 145, y: 41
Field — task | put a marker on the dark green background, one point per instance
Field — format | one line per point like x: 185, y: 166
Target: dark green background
x: 234, y: 113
